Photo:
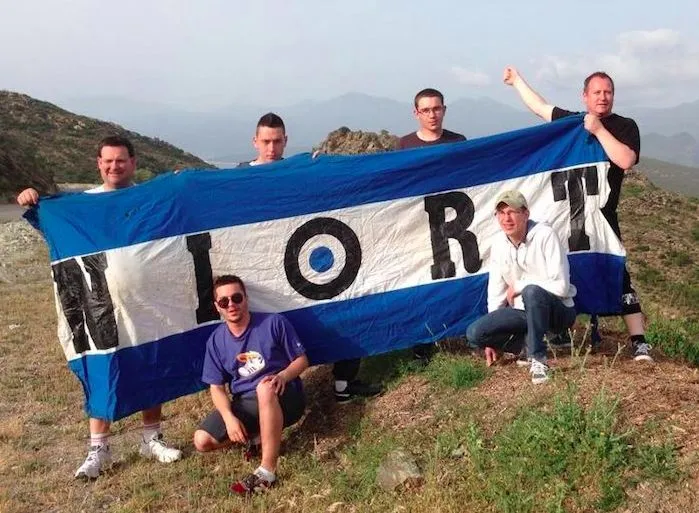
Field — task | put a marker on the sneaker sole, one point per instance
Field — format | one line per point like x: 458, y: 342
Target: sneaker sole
x: 540, y: 381
x: 643, y: 358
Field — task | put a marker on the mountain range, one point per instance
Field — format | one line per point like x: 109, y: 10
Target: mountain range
x: 225, y: 135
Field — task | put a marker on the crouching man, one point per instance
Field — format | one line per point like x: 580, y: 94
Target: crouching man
x: 529, y: 289
x: 260, y: 357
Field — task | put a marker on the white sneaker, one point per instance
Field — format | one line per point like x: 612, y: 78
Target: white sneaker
x: 158, y: 449
x: 540, y: 372
x: 99, y: 459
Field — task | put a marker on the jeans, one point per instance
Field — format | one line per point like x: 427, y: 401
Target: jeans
x: 507, y: 328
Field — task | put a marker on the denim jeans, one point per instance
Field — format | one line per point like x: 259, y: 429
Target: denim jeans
x: 507, y: 328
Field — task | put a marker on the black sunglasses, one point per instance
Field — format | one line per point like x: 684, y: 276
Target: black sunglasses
x: 224, y: 301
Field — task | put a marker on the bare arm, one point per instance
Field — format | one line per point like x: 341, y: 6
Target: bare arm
x: 618, y: 152
x: 533, y: 100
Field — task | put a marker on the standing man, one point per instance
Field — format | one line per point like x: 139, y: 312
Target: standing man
x: 429, y: 111
x: 269, y: 141
x: 621, y: 142
x: 116, y: 161
x: 260, y: 357
x: 529, y: 289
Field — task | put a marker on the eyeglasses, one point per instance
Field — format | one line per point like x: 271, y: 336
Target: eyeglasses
x: 434, y: 110
x: 225, y: 301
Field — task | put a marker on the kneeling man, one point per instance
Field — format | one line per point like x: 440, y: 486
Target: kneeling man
x: 529, y: 289
x: 260, y: 357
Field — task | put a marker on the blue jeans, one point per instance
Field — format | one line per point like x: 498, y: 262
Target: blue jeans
x: 507, y: 328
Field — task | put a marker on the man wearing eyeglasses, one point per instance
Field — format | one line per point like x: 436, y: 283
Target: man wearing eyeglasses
x: 529, y: 289
x: 429, y: 112
x: 260, y: 357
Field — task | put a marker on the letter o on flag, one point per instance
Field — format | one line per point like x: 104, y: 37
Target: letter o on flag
x: 322, y: 258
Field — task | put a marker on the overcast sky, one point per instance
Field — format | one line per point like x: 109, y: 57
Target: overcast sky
x: 201, y: 54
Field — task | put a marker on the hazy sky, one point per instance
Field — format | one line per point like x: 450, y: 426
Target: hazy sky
x: 203, y: 53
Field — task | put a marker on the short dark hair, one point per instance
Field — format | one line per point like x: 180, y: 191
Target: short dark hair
x: 115, y: 141
x: 271, y: 120
x: 597, y: 74
x: 429, y: 93
x: 228, y: 279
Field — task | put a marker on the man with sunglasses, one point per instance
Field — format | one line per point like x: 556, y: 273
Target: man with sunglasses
x: 116, y: 161
x: 260, y: 357
x: 429, y: 111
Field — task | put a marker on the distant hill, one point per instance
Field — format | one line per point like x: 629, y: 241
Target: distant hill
x: 680, y: 148
x: 226, y: 134
x: 672, y: 177
x: 41, y: 143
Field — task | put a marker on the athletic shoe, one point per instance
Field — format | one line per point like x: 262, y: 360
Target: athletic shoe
x: 540, y: 372
x: 356, y: 389
x: 641, y: 352
x: 99, y: 459
x: 251, y: 484
x: 158, y: 449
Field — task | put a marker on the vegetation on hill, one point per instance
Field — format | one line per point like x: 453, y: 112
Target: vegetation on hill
x: 673, y: 177
x: 41, y: 144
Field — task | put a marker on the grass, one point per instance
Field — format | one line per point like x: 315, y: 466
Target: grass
x: 676, y: 338
x: 541, y: 461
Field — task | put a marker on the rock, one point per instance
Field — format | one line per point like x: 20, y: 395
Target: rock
x: 397, y: 468
x: 459, y: 452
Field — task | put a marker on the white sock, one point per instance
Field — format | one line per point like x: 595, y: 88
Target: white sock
x: 265, y: 474
x: 150, y: 431
x: 340, y: 386
x: 99, y: 439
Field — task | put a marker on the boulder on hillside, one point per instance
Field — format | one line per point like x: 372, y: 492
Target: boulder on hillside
x: 344, y: 141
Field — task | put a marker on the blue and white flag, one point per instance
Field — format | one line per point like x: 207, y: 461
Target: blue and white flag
x: 363, y: 254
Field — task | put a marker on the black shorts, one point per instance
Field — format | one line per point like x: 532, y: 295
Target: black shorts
x: 245, y: 408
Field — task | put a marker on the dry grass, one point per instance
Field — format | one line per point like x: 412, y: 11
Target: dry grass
x: 329, y: 459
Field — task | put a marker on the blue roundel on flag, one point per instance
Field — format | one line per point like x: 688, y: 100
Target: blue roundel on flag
x: 322, y: 259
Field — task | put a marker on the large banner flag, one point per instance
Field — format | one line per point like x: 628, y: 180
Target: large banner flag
x: 363, y: 254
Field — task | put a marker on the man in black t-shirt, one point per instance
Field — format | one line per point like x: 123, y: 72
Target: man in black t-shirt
x: 429, y: 112
x: 621, y: 142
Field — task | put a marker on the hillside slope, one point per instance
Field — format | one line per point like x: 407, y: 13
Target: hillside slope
x: 41, y: 144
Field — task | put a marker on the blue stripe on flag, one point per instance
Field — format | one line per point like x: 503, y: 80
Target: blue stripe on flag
x: 599, y: 278
x: 330, y: 332
x: 197, y: 201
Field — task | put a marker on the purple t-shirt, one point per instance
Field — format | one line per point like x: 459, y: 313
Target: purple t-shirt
x: 267, y: 346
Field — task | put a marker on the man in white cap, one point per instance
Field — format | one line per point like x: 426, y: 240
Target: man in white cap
x: 529, y: 289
